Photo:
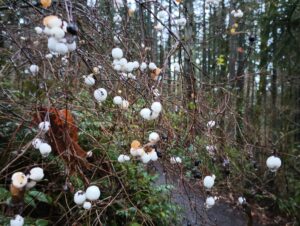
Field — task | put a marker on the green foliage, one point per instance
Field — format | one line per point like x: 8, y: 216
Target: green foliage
x: 32, y: 196
x: 4, y: 194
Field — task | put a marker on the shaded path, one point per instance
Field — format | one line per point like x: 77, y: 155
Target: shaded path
x: 192, y: 203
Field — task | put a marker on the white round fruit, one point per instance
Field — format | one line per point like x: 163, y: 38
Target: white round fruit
x: 17, y: 221
x: 208, y: 182
x: 100, y: 94
x: 19, y: 180
x: 92, y: 193
x: 273, y: 163
x: 87, y: 205
x: 36, y: 174
x: 79, y: 197
x: 45, y: 149
x: 154, y: 137
x: 44, y: 126
x: 210, y: 202
x: 117, y: 100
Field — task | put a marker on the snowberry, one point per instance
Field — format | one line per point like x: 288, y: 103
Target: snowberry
x: 153, y: 155
x: 117, y: 53
x: 45, y: 149
x: 66, y: 28
x: 89, y: 154
x: 30, y: 184
x: 210, y: 148
x: 71, y: 46
x: 89, y: 80
x: 34, y: 69
x: 156, y: 93
x: 100, y: 94
x: 137, y: 151
x: 209, y: 181
x: 211, y: 124
x: 54, y: 21
x: 36, y: 143
x: 36, y: 174
x: 154, y: 137
x: 178, y: 160
x: 57, y: 33
x: 64, y: 60
x: 17, y: 221
x: 146, y: 158
x: 47, y: 31
x: 79, y: 197
x: 140, y: 151
x: 156, y: 107
x: 136, y: 65
x: 146, y: 113
x: 38, y: 30
x: 19, y: 180
x: 49, y: 56
x: 237, y: 13
x: 44, y: 126
x: 174, y: 160
x: 132, y: 76
x: 117, y: 67
x: 154, y: 115
x: 117, y: 100
x: 123, y: 158
x: 152, y: 66
x: 61, y: 48
x: 129, y: 67
x: 87, y: 205
x: 133, y: 152
x: 143, y: 66
x: 117, y: 18
x: 125, y: 104
x: 52, y: 42
x: 273, y: 163
x: 123, y: 62
x: 92, y: 193
x: 96, y: 70
x: 210, y: 202
x: 116, y: 40
x: 241, y: 200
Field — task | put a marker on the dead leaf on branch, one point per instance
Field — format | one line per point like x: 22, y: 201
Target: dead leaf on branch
x: 63, y: 138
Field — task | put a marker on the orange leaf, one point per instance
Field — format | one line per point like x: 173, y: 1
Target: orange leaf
x: 155, y: 73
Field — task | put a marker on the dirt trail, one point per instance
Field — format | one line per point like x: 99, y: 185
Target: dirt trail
x: 192, y: 203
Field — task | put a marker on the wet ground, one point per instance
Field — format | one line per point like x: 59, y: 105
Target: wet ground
x: 192, y: 203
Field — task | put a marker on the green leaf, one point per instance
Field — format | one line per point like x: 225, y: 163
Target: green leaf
x: 191, y: 105
x: 41, y: 222
x: 40, y: 196
x: 77, y: 182
x: 134, y: 224
x: 29, y: 201
x: 4, y: 194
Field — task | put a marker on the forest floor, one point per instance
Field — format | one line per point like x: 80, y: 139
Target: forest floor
x: 191, y: 202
